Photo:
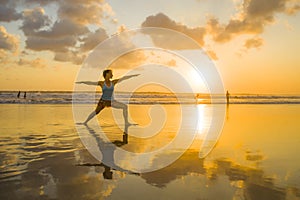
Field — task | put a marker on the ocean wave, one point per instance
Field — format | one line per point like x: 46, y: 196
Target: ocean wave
x: 144, y: 98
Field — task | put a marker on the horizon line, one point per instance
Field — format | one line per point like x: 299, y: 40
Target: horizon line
x: 87, y: 91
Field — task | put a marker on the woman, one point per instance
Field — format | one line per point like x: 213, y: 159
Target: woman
x: 107, y: 98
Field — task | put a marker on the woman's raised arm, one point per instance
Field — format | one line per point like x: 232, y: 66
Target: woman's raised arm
x: 89, y: 82
x: 115, y: 81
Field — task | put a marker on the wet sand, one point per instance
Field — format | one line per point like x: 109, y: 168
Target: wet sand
x: 42, y: 156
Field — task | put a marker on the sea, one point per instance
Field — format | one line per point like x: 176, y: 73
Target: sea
x: 44, y: 154
x: 62, y: 97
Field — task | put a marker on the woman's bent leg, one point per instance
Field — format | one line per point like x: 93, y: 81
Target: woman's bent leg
x: 94, y: 113
x: 119, y: 105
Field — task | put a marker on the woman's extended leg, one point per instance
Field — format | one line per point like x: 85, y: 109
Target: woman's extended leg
x: 119, y: 105
x: 100, y: 107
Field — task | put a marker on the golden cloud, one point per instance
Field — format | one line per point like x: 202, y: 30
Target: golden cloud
x: 252, y: 18
x: 162, y: 21
x: 35, y: 63
x: 8, y: 42
x: 254, y: 43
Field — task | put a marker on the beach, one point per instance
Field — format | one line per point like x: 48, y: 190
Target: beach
x: 149, y: 100
x: 256, y: 156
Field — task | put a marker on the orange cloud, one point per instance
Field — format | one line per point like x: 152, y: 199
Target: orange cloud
x: 36, y: 63
x: 252, y: 18
x: 61, y: 37
x: 70, y: 56
x: 171, y: 63
x: 69, y: 37
x: 254, y: 43
x: 292, y: 9
x: 79, y: 11
x: 92, y: 39
x: 129, y: 60
x: 212, y: 54
x: 84, y: 12
x: 118, y: 52
x: 34, y: 20
x: 8, y: 42
x: 162, y: 21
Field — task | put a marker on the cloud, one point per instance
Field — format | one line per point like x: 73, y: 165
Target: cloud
x: 79, y: 11
x: 118, y: 52
x: 293, y: 9
x: 252, y: 18
x: 70, y: 37
x: 162, y: 21
x: 3, y: 54
x: 235, y: 27
x: 37, y: 23
x: 63, y: 28
x: 74, y: 57
x: 83, y: 12
x: 92, y: 39
x: 40, y: 2
x: 122, y: 28
x: 55, y: 45
x: 171, y: 63
x: 253, y: 43
x: 8, y: 42
x: 34, y: 20
x: 41, y: 36
x: 161, y: 57
x: 129, y: 60
x: 263, y: 8
x: 35, y: 63
x: 67, y: 39
x: 8, y: 12
x: 212, y: 54
x: 60, y: 37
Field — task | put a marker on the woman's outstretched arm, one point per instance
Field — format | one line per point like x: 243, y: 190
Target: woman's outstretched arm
x: 115, y: 81
x: 89, y: 82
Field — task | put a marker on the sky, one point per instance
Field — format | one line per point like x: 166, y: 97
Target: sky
x: 254, y: 44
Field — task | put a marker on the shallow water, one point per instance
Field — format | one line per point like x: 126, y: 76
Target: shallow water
x: 256, y: 157
x: 48, y: 97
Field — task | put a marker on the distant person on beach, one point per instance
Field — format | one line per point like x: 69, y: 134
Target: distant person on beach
x: 19, y: 94
x: 227, y: 97
x: 107, y: 98
x: 25, y: 95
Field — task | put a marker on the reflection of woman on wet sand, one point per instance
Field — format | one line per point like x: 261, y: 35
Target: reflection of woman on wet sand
x: 107, y: 150
x: 107, y: 98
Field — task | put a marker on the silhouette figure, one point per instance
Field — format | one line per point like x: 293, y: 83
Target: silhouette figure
x: 227, y: 97
x: 107, y: 98
x: 25, y: 95
x: 107, y: 174
x: 227, y: 111
x: 19, y: 94
x: 107, y: 149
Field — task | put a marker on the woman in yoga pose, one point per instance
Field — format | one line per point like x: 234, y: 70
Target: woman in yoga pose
x: 107, y: 98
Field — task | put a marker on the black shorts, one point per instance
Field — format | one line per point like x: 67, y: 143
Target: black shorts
x: 104, y: 103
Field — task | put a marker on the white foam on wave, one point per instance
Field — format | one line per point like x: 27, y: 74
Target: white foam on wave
x: 143, y: 98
